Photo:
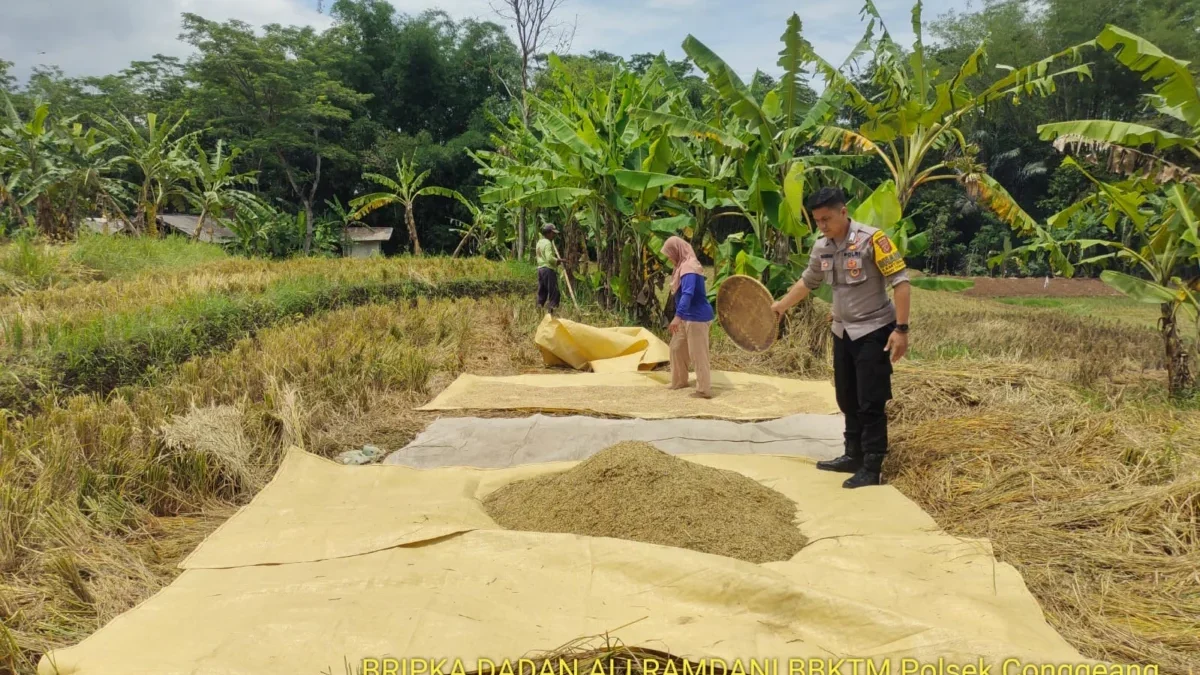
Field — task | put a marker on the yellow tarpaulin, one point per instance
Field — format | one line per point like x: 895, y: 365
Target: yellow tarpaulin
x: 878, y: 580
x: 736, y: 396
x: 603, y: 350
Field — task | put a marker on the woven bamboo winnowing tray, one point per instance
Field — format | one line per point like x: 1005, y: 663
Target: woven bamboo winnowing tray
x: 744, y: 311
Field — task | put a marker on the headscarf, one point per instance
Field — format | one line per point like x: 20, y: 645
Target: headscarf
x: 681, y: 255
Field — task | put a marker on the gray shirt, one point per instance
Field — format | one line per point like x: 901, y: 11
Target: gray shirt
x: 853, y: 267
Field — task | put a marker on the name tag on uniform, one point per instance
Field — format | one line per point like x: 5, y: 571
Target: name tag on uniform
x: 826, y: 263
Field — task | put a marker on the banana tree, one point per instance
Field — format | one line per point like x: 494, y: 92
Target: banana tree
x: 1157, y: 211
x: 160, y: 155
x: 589, y: 160
x: 1137, y: 148
x: 214, y: 185
x: 32, y: 151
x: 772, y: 172
x: 913, y: 125
x: 405, y: 191
x: 1156, y: 235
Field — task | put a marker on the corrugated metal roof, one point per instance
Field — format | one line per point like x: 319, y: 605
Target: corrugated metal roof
x: 361, y: 234
x: 212, y: 232
x: 103, y: 226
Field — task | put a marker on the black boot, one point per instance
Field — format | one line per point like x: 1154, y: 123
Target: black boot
x: 851, y: 459
x: 843, y: 464
x: 869, y: 474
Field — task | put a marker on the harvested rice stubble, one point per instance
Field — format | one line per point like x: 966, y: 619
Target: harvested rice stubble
x: 635, y: 491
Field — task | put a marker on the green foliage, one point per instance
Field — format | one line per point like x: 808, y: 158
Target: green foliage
x: 115, y: 257
x: 27, y: 264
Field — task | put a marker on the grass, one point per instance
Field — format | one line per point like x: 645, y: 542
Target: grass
x: 1119, y: 309
x: 1041, y: 428
x: 28, y: 265
x: 112, y: 257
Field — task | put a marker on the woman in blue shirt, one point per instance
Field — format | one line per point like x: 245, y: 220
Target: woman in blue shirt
x: 693, y: 316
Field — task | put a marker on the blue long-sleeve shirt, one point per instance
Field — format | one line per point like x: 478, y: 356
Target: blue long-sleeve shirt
x: 691, y: 303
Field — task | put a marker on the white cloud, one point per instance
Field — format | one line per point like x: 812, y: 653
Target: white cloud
x: 98, y: 37
x: 94, y: 37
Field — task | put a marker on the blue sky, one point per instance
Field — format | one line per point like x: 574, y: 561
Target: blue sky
x: 94, y: 37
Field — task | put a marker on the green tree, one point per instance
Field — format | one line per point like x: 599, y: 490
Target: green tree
x: 773, y: 123
x: 913, y: 124
x: 213, y: 189
x: 1156, y: 233
x: 159, y: 152
x: 273, y: 96
x: 7, y: 81
x: 405, y: 190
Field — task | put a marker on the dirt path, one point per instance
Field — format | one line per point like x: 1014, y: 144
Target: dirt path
x: 1011, y: 287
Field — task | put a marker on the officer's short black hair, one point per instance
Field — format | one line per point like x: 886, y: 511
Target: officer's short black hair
x: 827, y: 197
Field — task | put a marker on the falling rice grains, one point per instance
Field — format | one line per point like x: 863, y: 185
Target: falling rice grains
x: 635, y: 491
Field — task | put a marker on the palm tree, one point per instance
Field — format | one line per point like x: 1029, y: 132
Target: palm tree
x: 160, y: 157
x: 404, y: 191
x: 213, y: 189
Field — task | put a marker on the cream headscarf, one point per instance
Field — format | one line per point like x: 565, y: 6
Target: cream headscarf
x: 681, y: 255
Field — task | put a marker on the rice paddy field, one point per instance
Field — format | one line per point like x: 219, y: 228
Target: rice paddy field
x: 143, y: 403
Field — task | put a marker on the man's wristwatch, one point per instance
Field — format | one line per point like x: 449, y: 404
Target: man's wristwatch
x: 902, y: 328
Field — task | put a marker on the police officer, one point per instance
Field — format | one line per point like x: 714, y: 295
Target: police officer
x: 870, y: 333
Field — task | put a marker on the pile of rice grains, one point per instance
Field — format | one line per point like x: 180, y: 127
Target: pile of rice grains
x: 635, y: 491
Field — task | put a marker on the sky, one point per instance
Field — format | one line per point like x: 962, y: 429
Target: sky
x: 99, y: 37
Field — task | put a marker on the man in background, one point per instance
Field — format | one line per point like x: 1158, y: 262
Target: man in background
x: 547, y: 269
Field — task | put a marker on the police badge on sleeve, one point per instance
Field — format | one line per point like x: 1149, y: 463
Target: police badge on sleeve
x: 887, y: 257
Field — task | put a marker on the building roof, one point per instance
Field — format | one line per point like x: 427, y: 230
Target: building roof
x: 363, y: 234
x: 212, y: 232
x: 104, y: 226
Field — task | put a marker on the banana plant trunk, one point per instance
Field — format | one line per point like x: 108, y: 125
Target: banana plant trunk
x: 151, y: 219
x: 412, y: 228
x: 199, y: 225
x: 46, y: 221
x: 574, y: 236
x: 697, y: 242
x: 1180, y: 379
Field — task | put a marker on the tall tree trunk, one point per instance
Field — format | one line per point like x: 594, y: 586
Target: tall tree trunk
x: 412, y: 228
x: 312, y: 195
x: 308, y: 226
x: 1180, y: 380
x: 522, y: 226
x: 521, y: 234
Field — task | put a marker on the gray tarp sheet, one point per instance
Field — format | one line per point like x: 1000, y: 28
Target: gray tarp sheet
x: 504, y: 442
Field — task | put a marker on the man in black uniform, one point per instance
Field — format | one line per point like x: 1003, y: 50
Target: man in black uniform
x: 870, y: 332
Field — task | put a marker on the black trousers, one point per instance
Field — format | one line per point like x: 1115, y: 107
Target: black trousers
x: 862, y: 376
x: 547, y: 289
